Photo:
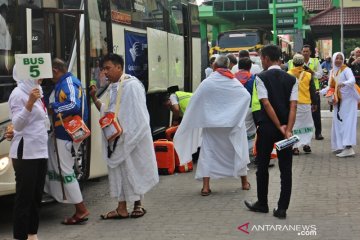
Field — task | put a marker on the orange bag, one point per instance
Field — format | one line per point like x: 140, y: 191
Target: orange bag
x: 188, y: 167
x: 165, y: 157
x: 76, y: 128
x: 170, y: 132
x: 110, y: 126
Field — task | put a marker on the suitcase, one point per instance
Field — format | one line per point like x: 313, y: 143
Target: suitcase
x: 170, y: 132
x: 165, y: 156
x: 188, y: 167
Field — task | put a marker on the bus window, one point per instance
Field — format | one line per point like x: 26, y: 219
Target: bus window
x: 98, y: 44
x: 30, y: 4
x: 142, y: 14
x: 235, y: 40
x: 5, y: 40
x: 7, y: 84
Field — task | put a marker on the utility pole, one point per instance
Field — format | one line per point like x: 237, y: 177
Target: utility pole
x: 341, y: 26
x: 274, y: 23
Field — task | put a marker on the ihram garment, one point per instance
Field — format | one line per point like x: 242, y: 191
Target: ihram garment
x: 218, y: 108
x: 132, y: 166
x: 304, y: 124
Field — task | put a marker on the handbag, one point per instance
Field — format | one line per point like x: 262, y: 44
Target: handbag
x: 75, y: 126
x: 110, y: 126
x: 109, y: 123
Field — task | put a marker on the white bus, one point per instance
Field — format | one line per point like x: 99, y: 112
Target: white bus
x: 159, y: 39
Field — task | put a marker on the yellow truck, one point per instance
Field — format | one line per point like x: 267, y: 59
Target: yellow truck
x: 242, y: 39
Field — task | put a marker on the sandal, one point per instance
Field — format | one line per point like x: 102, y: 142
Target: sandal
x: 307, y: 149
x: 114, y: 214
x: 207, y: 193
x: 247, y: 186
x: 74, y: 220
x: 296, y: 151
x: 138, y: 211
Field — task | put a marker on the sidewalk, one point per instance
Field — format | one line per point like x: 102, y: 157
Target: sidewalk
x: 325, y: 197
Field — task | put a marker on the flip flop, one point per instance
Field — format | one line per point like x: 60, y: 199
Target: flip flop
x: 138, y: 209
x: 117, y: 215
x: 247, y: 186
x: 204, y: 194
x: 74, y: 220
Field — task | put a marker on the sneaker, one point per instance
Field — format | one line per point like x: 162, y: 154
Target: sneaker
x: 347, y: 152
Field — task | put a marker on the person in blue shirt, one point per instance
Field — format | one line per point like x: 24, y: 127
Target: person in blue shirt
x: 327, y: 64
x: 66, y: 101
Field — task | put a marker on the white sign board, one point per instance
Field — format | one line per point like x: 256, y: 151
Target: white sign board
x: 237, y: 35
x: 33, y: 66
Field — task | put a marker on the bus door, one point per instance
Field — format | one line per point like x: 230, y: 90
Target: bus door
x: 60, y: 32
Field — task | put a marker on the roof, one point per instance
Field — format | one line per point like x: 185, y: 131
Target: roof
x: 331, y: 17
x: 316, y: 5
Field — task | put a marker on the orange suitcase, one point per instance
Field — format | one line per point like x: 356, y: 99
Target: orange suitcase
x: 165, y: 156
x: 170, y: 132
x: 188, y: 167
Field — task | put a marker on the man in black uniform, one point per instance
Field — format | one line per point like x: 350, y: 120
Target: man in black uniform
x: 274, y: 103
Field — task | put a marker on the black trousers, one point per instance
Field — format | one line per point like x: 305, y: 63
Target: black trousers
x: 267, y: 135
x: 30, y: 180
x: 317, y: 116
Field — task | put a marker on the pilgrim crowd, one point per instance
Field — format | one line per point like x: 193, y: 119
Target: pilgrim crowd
x: 236, y: 108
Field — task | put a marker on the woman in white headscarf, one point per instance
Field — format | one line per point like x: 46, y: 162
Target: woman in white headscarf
x: 345, y: 100
x: 29, y: 154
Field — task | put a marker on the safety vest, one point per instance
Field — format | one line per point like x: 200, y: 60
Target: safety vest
x: 313, y: 62
x: 184, y: 99
x: 255, y: 102
x: 304, y: 84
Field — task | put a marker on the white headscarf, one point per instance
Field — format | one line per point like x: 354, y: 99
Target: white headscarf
x: 26, y: 85
x: 335, y: 68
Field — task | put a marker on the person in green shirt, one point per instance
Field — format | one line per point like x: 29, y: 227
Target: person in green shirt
x: 177, y: 103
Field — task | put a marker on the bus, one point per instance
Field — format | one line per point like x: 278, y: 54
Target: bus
x: 241, y: 39
x: 159, y: 40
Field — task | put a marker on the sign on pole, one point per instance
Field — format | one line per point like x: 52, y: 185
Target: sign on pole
x: 33, y: 66
x: 289, y: 10
x: 286, y: 21
x: 286, y: 1
x: 287, y: 31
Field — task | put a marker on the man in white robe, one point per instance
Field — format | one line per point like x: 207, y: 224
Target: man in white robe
x: 132, y: 164
x: 218, y: 108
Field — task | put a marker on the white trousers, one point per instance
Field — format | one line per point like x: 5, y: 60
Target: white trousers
x: 53, y: 185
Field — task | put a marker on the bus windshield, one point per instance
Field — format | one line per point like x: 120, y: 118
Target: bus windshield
x: 241, y: 39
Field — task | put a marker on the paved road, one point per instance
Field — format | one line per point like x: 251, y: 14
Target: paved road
x: 325, y: 196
